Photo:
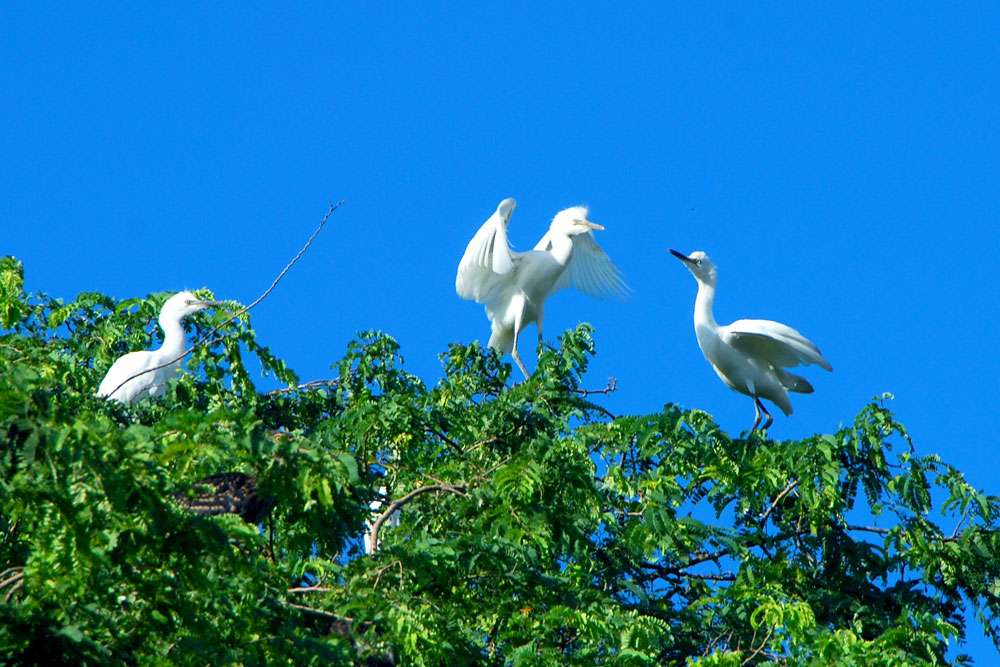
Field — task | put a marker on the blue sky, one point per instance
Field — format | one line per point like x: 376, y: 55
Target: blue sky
x: 840, y: 164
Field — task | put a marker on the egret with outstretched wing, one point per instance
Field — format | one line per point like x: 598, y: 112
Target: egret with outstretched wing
x: 750, y: 355
x: 514, y: 285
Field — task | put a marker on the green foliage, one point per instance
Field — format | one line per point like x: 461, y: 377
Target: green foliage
x: 536, y: 529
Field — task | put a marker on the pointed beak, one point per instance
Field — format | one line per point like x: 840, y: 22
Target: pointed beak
x: 681, y: 256
x: 593, y: 225
x: 206, y: 304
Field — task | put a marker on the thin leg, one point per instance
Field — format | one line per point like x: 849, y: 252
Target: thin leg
x: 758, y: 408
x: 756, y: 414
x: 539, y: 318
x: 513, y: 350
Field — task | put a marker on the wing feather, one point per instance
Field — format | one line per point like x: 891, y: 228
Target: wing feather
x: 487, y: 257
x: 775, y: 342
x: 592, y: 271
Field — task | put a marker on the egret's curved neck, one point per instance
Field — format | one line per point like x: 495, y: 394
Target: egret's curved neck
x: 562, y: 248
x: 174, y: 340
x: 703, y: 306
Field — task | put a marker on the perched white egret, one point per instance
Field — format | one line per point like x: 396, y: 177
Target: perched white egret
x: 514, y: 285
x: 152, y: 383
x: 749, y: 355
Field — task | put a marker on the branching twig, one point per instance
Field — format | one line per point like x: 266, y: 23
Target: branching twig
x: 760, y: 648
x: 233, y: 316
x: 777, y: 499
x: 611, y: 388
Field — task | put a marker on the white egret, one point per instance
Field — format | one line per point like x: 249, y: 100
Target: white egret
x: 750, y: 355
x: 153, y: 383
x: 514, y: 285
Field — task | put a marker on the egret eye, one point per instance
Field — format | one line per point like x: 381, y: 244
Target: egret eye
x: 698, y: 262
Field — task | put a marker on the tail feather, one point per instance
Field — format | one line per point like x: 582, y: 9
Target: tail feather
x: 502, y: 340
x: 793, y: 382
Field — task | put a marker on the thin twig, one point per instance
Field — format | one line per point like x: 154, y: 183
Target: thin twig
x: 760, y: 648
x: 233, y: 316
x: 310, y: 589
x: 312, y: 610
x: 723, y: 576
x: 611, y: 388
x: 777, y: 499
x: 305, y: 385
x: 870, y: 529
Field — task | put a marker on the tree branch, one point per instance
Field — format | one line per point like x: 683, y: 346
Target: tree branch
x: 459, y: 490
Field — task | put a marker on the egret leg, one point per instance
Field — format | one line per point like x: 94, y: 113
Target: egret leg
x: 758, y: 408
x: 539, y: 318
x: 513, y: 350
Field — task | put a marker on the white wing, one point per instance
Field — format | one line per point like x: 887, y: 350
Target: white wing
x: 590, y: 269
x: 487, y: 258
x: 774, y: 342
x: 124, y: 368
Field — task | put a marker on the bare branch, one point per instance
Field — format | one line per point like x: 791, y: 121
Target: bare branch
x: 611, y: 388
x: 233, y: 316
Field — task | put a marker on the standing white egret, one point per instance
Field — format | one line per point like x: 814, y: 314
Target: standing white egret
x: 153, y: 383
x: 749, y: 355
x: 514, y: 285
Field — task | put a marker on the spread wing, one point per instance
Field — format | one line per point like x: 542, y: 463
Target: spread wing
x: 779, y: 344
x: 487, y: 258
x: 590, y: 269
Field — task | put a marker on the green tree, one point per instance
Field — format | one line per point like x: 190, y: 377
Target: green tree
x: 536, y: 528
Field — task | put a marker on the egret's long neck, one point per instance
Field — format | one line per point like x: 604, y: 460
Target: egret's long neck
x: 562, y: 248
x: 703, y: 316
x: 174, y: 340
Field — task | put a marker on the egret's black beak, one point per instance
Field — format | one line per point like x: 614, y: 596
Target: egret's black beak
x: 681, y: 256
x: 206, y: 304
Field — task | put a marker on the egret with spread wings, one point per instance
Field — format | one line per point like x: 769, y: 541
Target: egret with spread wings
x: 750, y: 355
x: 514, y: 285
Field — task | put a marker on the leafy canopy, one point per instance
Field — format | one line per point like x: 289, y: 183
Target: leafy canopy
x: 536, y: 528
